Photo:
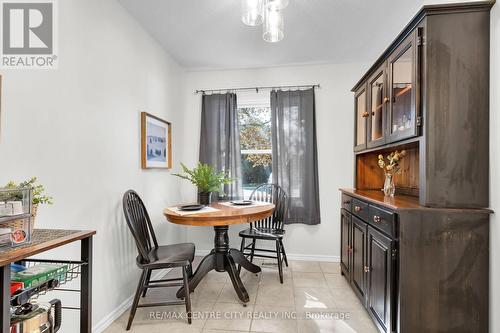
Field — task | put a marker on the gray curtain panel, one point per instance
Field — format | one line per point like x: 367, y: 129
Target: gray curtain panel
x: 295, y: 157
x: 220, y: 138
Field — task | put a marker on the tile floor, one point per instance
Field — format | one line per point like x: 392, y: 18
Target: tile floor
x: 313, y: 298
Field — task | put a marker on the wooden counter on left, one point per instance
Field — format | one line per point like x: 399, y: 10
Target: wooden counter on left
x: 42, y: 240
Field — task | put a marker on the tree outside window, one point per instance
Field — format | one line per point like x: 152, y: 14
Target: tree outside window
x: 256, y: 144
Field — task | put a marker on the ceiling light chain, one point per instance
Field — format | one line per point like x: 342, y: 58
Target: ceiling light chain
x: 266, y: 12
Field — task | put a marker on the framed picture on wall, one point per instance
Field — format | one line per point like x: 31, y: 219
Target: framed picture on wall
x: 156, y: 142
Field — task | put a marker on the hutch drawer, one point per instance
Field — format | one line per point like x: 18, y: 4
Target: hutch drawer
x: 346, y: 202
x: 382, y: 219
x: 360, y: 208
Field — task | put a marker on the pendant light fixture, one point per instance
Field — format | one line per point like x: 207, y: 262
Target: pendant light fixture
x: 273, y: 25
x: 269, y: 12
x: 252, y: 12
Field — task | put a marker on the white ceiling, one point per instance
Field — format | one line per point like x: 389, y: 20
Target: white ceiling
x: 208, y: 34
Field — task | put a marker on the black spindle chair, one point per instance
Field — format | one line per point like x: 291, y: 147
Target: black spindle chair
x: 152, y: 257
x: 270, y: 229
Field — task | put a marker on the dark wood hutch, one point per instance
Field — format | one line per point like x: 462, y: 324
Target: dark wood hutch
x: 419, y: 262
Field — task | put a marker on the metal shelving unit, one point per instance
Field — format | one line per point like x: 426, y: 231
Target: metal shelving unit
x: 77, y: 270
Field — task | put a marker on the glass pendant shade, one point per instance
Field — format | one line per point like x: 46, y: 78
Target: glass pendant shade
x: 273, y: 25
x: 252, y: 12
x: 277, y: 4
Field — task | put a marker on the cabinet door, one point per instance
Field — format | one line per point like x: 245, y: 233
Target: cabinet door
x: 404, y: 69
x: 377, y: 99
x: 361, y: 115
x: 345, y: 241
x: 358, y: 259
x: 380, y: 280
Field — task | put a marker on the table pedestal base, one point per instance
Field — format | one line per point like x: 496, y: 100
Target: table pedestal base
x: 223, y: 259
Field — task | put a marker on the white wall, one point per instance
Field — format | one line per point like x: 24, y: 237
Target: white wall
x: 77, y: 129
x: 334, y: 107
x: 495, y: 170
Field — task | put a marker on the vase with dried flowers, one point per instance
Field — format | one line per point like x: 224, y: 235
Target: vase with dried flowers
x: 390, y: 169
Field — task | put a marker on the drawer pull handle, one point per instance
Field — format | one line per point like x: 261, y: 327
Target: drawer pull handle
x: 349, y: 249
x: 347, y: 202
x: 357, y: 208
x: 367, y: 269
x: 376, y: 219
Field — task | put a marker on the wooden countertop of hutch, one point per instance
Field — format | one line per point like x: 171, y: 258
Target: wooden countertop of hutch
x: 401, y: 202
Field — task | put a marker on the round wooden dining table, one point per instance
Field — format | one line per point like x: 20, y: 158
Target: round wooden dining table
x: 222, y: 258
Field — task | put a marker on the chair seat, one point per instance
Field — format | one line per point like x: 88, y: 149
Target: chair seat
x: 174, y: 255
x: 262, y: 233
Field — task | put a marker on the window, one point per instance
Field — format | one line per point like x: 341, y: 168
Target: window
x: 255, y: 140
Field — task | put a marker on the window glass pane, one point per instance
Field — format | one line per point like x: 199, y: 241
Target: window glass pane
x: 377, y: 103
x: 361, y: 120
x: 401, y: 92
x: 255, y: 141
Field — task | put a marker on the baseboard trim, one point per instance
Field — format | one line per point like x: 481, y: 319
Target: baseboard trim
x: 124, y: 306
x: 292, y: 256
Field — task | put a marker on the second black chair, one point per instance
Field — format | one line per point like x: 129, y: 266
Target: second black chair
x: 153, y: 257
x: 270, y: 229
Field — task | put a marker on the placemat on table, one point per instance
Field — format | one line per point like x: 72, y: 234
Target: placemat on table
x: 254, y: 204
x: 178, y: 211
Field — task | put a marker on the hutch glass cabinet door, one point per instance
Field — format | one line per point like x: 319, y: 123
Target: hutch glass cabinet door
x: 360, y: 120
x: 377, y: 100
x: 403, y: 66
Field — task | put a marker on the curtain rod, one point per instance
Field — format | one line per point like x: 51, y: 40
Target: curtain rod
x: 258, y: 88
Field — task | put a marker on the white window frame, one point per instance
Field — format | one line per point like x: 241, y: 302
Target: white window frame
x: 256, y: 151
x: 247, y: 99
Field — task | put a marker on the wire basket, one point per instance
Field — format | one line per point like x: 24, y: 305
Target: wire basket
x: 73, y: 272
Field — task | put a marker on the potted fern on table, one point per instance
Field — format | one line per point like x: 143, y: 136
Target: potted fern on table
x: 206, y: 179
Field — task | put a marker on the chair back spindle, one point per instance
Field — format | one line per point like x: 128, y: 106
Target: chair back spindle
x: 274, y: 194
x: 139, y: 224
